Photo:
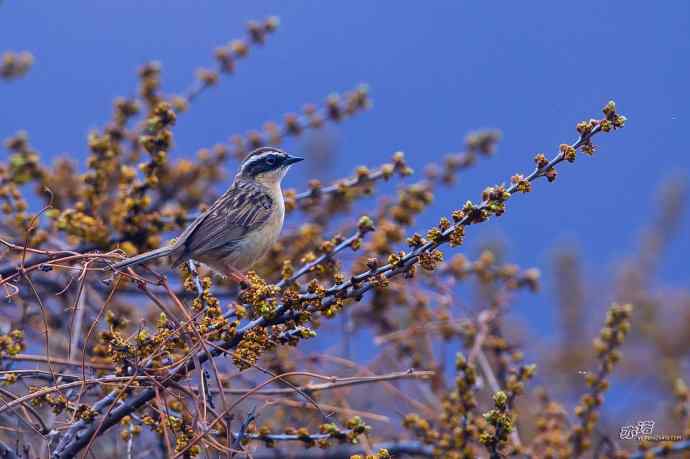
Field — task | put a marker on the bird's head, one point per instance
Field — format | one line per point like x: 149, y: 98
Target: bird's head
x: 266, y: 165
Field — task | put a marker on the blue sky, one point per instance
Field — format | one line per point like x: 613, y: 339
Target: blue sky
x: 436, y: 70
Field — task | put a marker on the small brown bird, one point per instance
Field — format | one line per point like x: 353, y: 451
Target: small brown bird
x: 240, y: 227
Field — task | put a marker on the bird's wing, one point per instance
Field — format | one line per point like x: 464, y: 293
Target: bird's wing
x: 244, y: 207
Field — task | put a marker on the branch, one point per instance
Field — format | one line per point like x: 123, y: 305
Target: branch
x: 335, y: 109
x: 660, y: 451
x: 396, y: 449
x: 337, y: 383
x: 242, y: 434
x: 6, y: 452
x: 226, y: 57
x: 358, y: 284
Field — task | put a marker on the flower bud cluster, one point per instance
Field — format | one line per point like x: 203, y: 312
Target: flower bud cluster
x: 15, y: 65
x: 606, y: 346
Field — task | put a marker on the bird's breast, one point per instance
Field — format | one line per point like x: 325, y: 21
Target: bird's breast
x: 258, y: 242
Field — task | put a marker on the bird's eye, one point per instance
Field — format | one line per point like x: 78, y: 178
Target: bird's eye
x: 270, y: 161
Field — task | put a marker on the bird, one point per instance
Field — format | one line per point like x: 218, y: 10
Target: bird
x: 240, y: 226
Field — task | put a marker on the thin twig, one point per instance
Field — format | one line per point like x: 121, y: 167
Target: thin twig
x: 337, y: 383
x: 353, y: 288
x: 239, y: 436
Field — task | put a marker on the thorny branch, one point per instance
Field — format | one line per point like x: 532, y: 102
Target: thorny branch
x: 351, y: 289
x: 169, y: 380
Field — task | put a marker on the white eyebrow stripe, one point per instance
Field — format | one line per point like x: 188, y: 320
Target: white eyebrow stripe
x: 259, y: 157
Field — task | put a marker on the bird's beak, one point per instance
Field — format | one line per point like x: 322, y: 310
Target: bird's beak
x: 292, y: 160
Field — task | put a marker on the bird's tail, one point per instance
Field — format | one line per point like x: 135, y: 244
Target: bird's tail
x: 142, y: 258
